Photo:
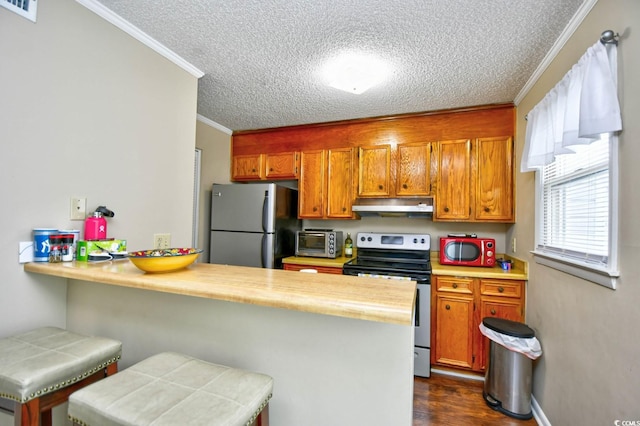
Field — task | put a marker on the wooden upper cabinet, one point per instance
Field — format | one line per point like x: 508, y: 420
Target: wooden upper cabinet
x: 495, y: 182
x: 340, y: 183
x: 326, y: 184
x: 311, y: 186
x: 281, y: 166
x: 248, y: 167
x: 265, y: 166
x: 374, y: 171
x: 413, y: 169
x: 453, y: 193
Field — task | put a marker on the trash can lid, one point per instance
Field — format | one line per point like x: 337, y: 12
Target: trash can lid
x: 508, y: 327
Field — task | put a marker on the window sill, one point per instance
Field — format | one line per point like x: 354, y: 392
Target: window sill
x: 582, y: 270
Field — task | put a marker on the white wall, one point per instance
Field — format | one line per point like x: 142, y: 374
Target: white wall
x: 589, y: 370
x: 216, y: 153
x: 85, y: 110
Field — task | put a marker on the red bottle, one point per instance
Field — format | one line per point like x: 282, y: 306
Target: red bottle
x: 95, y: 227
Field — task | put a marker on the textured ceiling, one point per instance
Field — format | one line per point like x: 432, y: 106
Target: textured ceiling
x: 261, y: 58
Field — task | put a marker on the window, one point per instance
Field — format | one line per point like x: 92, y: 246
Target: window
x: 577, y: 218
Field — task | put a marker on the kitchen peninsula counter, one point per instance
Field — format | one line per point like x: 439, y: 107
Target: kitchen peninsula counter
x: 341, y: 342
x: 350, y: 297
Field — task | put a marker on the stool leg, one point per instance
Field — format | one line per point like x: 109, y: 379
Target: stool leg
x: 28, y: 414
x: 263, y: 417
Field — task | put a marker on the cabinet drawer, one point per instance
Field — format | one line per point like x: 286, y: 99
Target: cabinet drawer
x: 503, y: 288
x: 455, y: 285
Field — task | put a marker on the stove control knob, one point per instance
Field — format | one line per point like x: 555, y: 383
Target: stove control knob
x: 422, y: 241
x: 415, y: 241
x: 489, y: 253
x: 362, y: 238
x: 369, y: 239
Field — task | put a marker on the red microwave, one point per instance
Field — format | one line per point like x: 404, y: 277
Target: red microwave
x: 467, y: 251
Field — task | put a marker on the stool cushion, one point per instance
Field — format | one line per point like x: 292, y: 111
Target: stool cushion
x: 44, y: 360
x: 173, y: 389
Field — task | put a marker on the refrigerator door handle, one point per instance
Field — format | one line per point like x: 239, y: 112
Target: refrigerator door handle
x: 265, y: 211
x: 263, y: 251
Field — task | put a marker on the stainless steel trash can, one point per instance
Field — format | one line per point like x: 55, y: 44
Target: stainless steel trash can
x: 507, y: 382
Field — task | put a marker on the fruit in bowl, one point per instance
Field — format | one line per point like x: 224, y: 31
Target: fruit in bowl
x: 164, y: 260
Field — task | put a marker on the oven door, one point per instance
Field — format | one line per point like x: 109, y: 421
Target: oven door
x: 422, y: 349
x: 422, y: 315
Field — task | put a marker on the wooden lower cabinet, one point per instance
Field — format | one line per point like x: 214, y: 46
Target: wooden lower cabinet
x: 320, y: 269
x: 458, y: 305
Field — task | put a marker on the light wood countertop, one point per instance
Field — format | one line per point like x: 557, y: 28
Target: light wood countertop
x: 344, y: 296
x: 318, y: 261
x: 519, y: 271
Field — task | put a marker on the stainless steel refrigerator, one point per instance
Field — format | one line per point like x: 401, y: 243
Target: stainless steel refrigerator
x: 253, y: 224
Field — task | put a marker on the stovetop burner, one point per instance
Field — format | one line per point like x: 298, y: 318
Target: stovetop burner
x: 397, y: 255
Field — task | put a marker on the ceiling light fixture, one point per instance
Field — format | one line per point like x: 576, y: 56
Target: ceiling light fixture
x: 355, y: 73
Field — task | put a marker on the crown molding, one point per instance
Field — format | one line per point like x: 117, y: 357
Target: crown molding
x: 213, y: 124
x: 139, y: 35
x: 566, y: 34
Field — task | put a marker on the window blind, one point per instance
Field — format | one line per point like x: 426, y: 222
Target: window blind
x: 26, y: 8
x: 576, y: 204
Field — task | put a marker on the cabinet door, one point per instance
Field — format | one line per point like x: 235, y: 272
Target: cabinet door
x: 503, y: 307
x: 282, y: 166
x: 413, y: 169
x: 494, y: 184
x: 374, y: 171
x: 311, y: 185
x: 454, y: 180
x: 453, y: 345
x: 248, y: 167
x: 340, y: 183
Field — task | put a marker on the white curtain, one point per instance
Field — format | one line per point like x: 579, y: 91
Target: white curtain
x: 582, y: 106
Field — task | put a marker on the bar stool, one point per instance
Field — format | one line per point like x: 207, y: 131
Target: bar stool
x: 171, y: 389
x: 39, y: 369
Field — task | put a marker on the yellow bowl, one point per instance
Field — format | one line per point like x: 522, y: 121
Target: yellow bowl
x: 164, y: 260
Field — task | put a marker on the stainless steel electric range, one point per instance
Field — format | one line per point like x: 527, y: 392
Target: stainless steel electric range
x: 400, y: 256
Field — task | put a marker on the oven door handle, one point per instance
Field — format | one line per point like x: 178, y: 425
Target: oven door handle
x: 417, y: 320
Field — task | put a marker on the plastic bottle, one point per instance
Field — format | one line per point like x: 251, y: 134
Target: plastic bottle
x: 95, y: 227
x: 348, y: 246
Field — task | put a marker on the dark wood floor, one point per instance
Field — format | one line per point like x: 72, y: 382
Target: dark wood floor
x: 446, y: 400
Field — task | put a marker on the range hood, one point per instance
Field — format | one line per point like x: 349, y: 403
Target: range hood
x: 394, y: 207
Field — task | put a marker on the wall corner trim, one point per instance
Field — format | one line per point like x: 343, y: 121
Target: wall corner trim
x: 139, y: 35
x: 213, y: 124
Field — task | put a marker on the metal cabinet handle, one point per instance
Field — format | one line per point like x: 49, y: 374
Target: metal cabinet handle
x: 487, y: 209
x: 455, y: 285
x: 253, y: 170
x: 447, y: 307
x: 446, y: 209
x: 315, y: 209
x: 493, y: 312
x: 405, y: 186
x: 380, y: 186
x: 270, y: 169
x: 500, y: 289
x: 344, y: 209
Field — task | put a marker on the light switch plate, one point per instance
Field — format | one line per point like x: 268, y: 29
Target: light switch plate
x: 25, y: 252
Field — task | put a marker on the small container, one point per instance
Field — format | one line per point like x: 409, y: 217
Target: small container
x: 82, y: 254
x: 76, y: 237
x: 67, y: 247
x: 95, y: 227
x: 55, y: 248
x: 41, y: 243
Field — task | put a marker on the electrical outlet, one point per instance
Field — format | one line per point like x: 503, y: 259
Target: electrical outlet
x: 513, y: 245
x: 78, y: 208
x: 161, y: 241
